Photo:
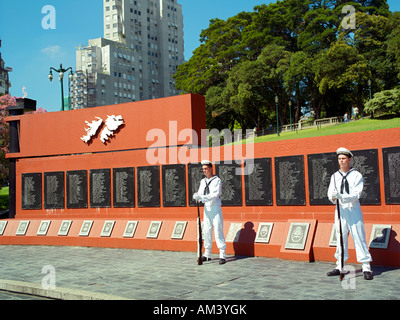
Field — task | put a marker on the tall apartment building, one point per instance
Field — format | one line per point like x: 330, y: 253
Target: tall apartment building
x: 4, y: 78
x: 140, y: 52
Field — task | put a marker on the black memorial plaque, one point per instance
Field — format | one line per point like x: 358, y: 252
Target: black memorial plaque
x: 320, y: 169
x: 391, y: 169
x: 258, y: 184
x: 31, y: 191
x: 195, y: 175
x: 77, y: 189
x: 148, y: 186
x: 100, y: 188
x: 289, y: 177
x: 54, y: 197
x: 174, y: 185
x: 231, y: 183
x: 366, y: 162
x: 123, y: 187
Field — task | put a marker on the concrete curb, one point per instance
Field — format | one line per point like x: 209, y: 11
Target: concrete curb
x: 57, y: 293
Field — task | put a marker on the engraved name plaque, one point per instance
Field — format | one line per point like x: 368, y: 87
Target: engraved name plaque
x: 54, y: 190
x: 231, y: 184
x: 391, y: 169
x: 77, y: 189
x: 258, y: 184
x: 195, y: 174
x: 366, y: 162
x: 174, y: 185
x: 100, y: 188
x: 148, y: 186
x: 123, y: 187
x: 320, y: 169
x: 31, y: 191
x: 289, y: 177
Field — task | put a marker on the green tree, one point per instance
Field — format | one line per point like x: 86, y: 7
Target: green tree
x: 218, y: 112
x: 342, y: 67
x: 387, y: 101
x: 5, y: 101
x: 253, y: 85
x: 295, y: 49
x: 393, y: 41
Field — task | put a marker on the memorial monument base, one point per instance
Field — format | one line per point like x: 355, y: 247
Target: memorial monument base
x: 316, y: 246
x: 124, y: 176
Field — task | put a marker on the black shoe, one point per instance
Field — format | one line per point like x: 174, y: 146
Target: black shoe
x: 368, y: 275
x: 335, y: 272
x: 222, y: 261
x: 206, y: 258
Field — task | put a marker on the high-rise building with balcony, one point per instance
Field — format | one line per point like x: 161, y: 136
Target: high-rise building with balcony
x: 4, y: 78
x: 141, y: 50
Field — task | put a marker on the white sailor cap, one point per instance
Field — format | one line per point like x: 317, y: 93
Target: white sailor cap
x: 344, y: 151
x: 206, y: 162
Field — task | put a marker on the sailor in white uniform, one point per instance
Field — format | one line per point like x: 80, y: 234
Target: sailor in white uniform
x: 209, y: 193
x: 346, y: 186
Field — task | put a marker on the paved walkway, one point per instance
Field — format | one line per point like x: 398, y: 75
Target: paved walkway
x: 100, y: 273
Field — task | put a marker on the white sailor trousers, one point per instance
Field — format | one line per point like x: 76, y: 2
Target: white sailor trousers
x: 213, y: 221
x: 352, y: 221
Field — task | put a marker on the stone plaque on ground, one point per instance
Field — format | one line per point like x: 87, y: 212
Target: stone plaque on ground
x: 174, y: 185
x: 289, y: 177
x: 231, y: 184
x: 64, y: 228
x: 148, y: 186
x: 297, y: 236
x: 320, y: 169
x: 22, y: 228
x: 100, y: 188
x: 54, y: 195
x: 154, y: 229
x: 258, y: 184
x: 179, y: 230
x: 380, y: 236
x: 264, y: 232
x: 391, y: 169
x: 366, y: 162
x: 77, y: 189
x: 31, y: 191
x: 123, y: 187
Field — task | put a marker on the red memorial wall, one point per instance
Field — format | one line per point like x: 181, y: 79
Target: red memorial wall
x: 135, y: 189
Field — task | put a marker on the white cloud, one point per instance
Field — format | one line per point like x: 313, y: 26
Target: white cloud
x: 53, y: 52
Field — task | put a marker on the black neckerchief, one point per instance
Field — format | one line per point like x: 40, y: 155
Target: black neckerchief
x: 207, y: 189
x: 345, y: 184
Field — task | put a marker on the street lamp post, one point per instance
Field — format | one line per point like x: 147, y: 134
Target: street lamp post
x: 370, y: 93
x: 369, y: 87
x: 61, y: 72
x: 290, y: 113
x: 277, y: 118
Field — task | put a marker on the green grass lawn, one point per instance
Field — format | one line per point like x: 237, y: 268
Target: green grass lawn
x: 3, y: 198
x: 354, y: 126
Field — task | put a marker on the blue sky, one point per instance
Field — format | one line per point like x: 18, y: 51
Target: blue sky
x: 31, y: 50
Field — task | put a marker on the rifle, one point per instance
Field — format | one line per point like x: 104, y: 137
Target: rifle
x: 199, y: 232
x: 200, y: 237
x: 341, y: 235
